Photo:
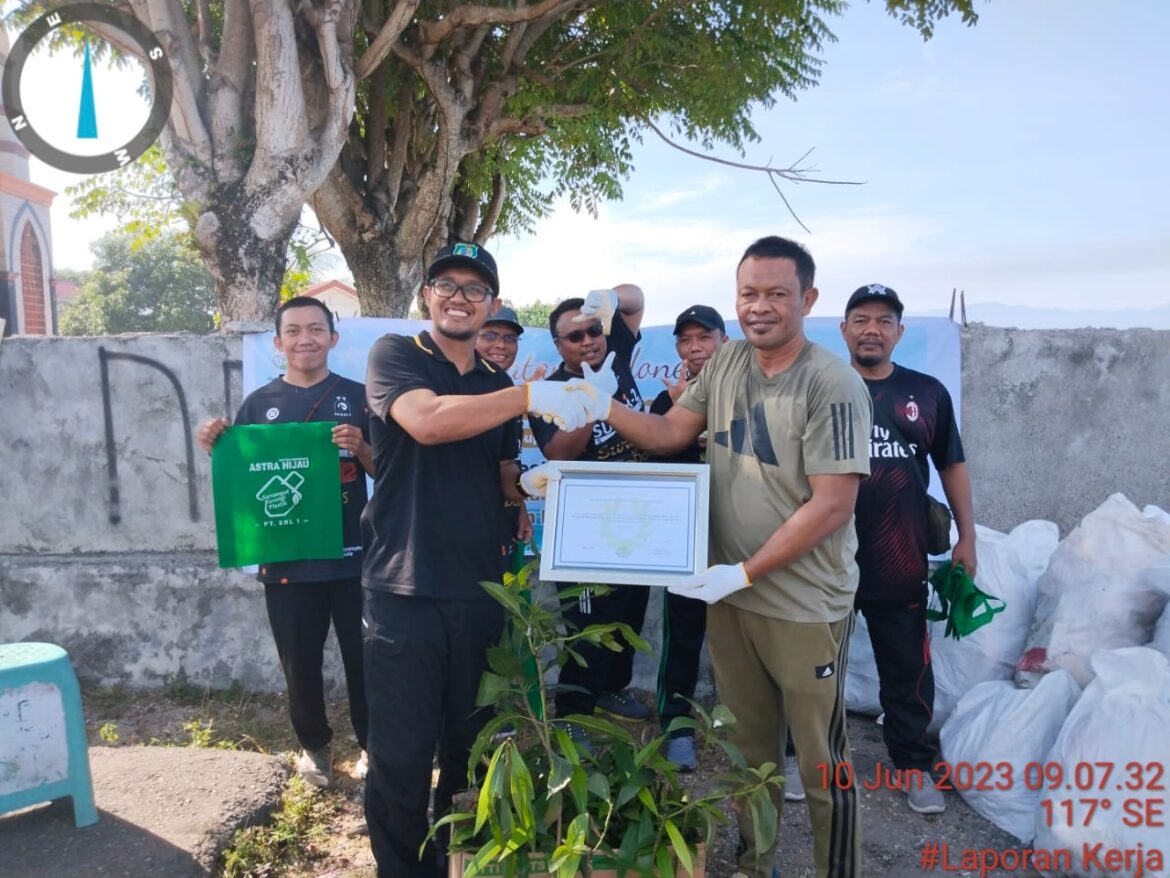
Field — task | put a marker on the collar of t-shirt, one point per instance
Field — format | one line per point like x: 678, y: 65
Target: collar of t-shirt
x: 425, y: 341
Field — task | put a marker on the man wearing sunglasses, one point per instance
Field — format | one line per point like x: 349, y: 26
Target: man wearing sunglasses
x: 585, y: 332
x: 444, y: 427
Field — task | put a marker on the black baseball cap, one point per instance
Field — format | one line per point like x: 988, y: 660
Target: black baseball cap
x: 875, y: 293
x: 463, y: 255
x: 704, y: 315
x: 508, y: 316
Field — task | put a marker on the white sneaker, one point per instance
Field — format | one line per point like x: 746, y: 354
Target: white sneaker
x: 316, y: 768
x: 793, y: 785
x: 362, y: 768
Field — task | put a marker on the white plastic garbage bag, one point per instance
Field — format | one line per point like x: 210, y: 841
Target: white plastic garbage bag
x: 1106, y: 775
x: 861, y: 679
x: 1093, y: 594
x: 1009, y: 566
x: 1001, y: 733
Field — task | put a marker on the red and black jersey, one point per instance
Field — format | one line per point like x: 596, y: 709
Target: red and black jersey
x: 913, y: 418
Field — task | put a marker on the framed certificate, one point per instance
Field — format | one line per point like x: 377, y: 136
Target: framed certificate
x: 625, y: 523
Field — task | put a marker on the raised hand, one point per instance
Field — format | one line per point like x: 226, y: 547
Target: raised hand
x: 713, y: 584
x: 675, y: 389
x: 601, y: 384
x: 599, y: 305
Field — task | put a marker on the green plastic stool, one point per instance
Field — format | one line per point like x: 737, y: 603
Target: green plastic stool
x: 43, y: 752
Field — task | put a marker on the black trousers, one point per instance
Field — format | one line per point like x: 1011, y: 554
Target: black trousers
x: 424, y: 660
x: 605, y: 670
x: 901, y: 650
x: 299, y: 613
x: 684, y: 624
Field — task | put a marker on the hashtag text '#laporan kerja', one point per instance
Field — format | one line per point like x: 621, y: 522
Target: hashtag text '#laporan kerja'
x: 1135, y: 862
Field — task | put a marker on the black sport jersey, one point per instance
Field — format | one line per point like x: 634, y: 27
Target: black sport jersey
x: 333, y: 399
x: 912, y: 417
x: 604, y: 443
x: 693, y: 453
x: 432, y: 527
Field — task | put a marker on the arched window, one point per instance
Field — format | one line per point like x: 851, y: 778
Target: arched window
x: 32, y: 284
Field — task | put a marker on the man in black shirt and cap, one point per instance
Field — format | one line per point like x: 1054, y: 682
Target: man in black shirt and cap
x: 444, y: 430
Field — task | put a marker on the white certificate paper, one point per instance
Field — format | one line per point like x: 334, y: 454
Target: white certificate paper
x: 626, y: 523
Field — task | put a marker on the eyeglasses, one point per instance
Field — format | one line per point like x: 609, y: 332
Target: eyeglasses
x: 491, y: 337
x: 446, y: 289
x: 578, y: 335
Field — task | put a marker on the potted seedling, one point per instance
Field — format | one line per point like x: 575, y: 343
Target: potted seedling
x: 581, y: 795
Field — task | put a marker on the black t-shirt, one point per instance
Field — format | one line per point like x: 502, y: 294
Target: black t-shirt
x: 333, y: 399
x: 604, y: 443
x: 432, y: 528
x: 691, y: 454
x: 912, y: 417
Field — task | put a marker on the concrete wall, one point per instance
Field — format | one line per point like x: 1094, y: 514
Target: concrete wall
x: 106, y: 524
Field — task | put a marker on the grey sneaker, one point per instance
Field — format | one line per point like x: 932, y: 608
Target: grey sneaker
x: 624, y: 704
x: 316, y: 767
x: 926, y: 798
x: 793, y: 785
x: 681, y: 751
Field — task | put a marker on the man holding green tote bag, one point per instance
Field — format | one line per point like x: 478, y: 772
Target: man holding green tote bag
x: 303, y: 595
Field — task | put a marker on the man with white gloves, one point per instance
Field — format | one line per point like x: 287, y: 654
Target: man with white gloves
x: 787, y: 428
x: 595, y: 337
x: 445, y: 432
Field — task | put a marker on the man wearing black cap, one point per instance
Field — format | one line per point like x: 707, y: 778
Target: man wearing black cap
x: 443, y: 428
x: 699, y: 332
x: 913, y: 419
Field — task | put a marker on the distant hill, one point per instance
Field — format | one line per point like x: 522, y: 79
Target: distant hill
x: 1024, y: 317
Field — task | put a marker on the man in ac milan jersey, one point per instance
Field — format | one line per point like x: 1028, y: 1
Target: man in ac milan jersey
x: 913, y: 419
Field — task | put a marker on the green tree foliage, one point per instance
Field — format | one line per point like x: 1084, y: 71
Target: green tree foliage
x: 159, y: 286
x: 534, y: 314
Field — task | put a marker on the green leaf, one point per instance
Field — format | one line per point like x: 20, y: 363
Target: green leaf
x: 681, y: 851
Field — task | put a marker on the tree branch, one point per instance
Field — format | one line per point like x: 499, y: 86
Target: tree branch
x: 491, y: 214
x: 206, y: 38
x: 396, y: 22
x: 281, y: 126
x: 433, y: 32
x: 793, y: 173
x: 230, y: 127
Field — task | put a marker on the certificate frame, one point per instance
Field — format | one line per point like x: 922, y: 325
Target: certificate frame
x: 625, y: 523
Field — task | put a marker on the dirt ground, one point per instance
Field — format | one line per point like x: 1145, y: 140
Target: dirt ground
x: 893, y: 836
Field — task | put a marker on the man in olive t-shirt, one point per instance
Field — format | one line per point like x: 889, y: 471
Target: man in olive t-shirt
x: 787, y: 427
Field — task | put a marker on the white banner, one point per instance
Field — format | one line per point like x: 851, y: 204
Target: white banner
x: 930, y: 345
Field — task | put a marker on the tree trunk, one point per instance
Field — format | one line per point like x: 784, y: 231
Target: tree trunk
x: 248, y: 269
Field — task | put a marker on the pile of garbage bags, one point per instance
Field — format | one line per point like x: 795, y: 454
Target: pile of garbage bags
x: 1061, y: 705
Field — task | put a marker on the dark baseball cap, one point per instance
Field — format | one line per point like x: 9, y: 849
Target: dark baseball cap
x: 508, y: 316
x: 463, y: 255
x: 704, y: 315
x: 875, y: 293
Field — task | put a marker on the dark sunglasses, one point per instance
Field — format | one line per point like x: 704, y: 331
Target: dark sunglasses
x: 578, y: 335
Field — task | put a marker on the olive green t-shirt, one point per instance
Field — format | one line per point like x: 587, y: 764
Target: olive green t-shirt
x: 765, y: 437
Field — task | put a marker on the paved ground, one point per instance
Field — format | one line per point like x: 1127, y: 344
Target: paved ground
x: 163, y: 811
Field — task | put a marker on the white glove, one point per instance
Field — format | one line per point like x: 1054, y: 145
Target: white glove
x: 534, y: 482
x: 599, y: 305
x: 559, y: 404
x: 713, y: 584
x: 598, y: 387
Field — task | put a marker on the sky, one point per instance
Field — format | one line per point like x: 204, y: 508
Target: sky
x: 1022, y: 161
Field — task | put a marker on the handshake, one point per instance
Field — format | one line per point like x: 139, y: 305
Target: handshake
x: 571, y: 405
